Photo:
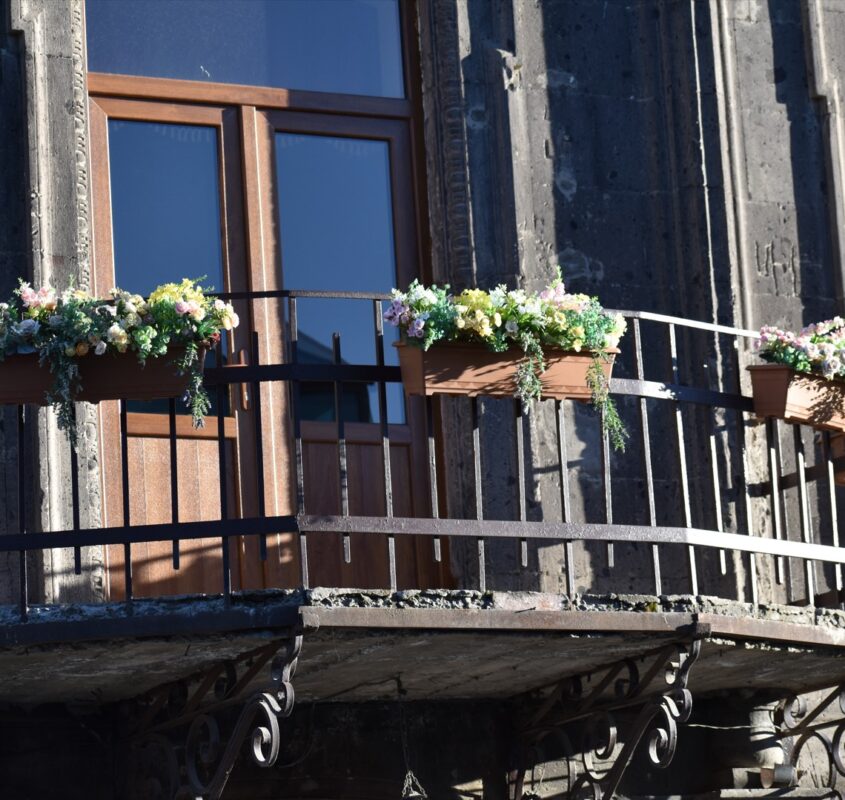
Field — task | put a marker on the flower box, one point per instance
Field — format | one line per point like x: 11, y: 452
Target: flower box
x: 472, y: 370
x: 107, y: 377
x: 780, y: 391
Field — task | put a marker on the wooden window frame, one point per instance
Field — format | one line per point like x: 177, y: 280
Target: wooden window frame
x: 247, y: 118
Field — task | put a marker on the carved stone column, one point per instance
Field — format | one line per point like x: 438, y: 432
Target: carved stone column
x: 50, y: 49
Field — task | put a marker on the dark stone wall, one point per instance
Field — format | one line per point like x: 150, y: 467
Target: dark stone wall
x: 669, y: 156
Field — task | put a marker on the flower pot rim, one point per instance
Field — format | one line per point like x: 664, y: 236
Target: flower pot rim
x: 554, y: 348
x: 795, y: 372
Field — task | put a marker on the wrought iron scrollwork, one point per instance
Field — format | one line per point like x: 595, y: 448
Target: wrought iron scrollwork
x: 208, y: 769
x: 656, y: 683
x: 824, y: 725
x: 211, y: 747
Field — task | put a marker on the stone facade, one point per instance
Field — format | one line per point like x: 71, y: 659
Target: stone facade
x: 672, y: 156
x: 669, y: 156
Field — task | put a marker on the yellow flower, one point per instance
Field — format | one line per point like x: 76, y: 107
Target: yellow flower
x: 578, y: 332
x: 577, y: 345
x: 187, y: 290
x: 497, y: 319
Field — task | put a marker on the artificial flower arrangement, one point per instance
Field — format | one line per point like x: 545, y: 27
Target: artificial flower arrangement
x: 800, y: 382
x: 819, y: 348
x: 534, y: 322
x: 64, y: 328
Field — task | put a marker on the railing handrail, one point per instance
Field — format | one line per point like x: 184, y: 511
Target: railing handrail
x: 714, y: 327
x: 692, y: 516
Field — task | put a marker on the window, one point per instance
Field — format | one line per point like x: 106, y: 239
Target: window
x: 268, y: 145
x: 339, y: 46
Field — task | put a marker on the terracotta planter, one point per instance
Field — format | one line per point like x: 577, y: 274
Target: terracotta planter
x: 106, y: 377
x: 798, y: 397
x: 472, y: 370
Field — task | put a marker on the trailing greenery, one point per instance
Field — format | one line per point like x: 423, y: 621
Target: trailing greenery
x: 501, y: 319
x: 65, y: 329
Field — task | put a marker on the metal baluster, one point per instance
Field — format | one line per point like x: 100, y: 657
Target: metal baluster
x: 74, y: 492
x: 341, y: 448
x: 749, y: 517
x: 774, y: 482
x: 520, y: 477
x: 682, y: 461
x: 124, y: 471
x: 563, y: 471
x: 385, y: 443
x: 804, y: 503
x: 23, y: 578
x: 432, y: 470
x: 259, y: 442
x: 781, y: 472
x: 297, y: 438
x: 834, y: 513
x: 174, y: 478
x: 652, y: 512
x: 224, y: 498
x: 717, y: 490
x: 479, y: 499
x: 608, y: 496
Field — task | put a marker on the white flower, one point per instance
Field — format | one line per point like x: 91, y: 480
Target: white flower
x: 499, y: 295
x: 100, y: 348
x: 118, y: 337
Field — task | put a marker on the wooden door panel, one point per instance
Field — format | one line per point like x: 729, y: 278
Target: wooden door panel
x: 150, y: 502
x: 369, y: 566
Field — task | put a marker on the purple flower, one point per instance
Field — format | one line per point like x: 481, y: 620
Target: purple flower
x: 415, y: 329
x: 397, y: 313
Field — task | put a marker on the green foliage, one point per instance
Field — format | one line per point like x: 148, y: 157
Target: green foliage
x: 502, y: 319
x: 65, y: 328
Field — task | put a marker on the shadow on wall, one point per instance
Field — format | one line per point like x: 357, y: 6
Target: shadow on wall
x: 630, y: 225
x: 811, y: 254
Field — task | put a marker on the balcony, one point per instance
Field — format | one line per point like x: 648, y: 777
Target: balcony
x: 712, y: 500
x: 455, y: 528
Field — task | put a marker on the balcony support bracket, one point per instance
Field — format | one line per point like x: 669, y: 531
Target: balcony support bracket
x: 582, y: 708
x: 824, y: 724
x: 196, y: 765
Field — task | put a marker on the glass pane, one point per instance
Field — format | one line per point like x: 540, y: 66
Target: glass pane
x: 336, y: 227
x: 165, y: 198
x: 344, y: 46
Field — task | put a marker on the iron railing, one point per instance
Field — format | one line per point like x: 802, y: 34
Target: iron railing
x: 707, y: 491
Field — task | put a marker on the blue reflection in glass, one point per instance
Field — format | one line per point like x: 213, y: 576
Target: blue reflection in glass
x: 345, y: 46
x: 336, y: 229
x: 165, y: 204
x: 165, y: 199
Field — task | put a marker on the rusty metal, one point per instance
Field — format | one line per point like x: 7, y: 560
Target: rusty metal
x: 585, y: 707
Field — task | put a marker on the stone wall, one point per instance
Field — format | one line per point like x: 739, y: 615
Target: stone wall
x: 44, y: 208
x: 670, y: 156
